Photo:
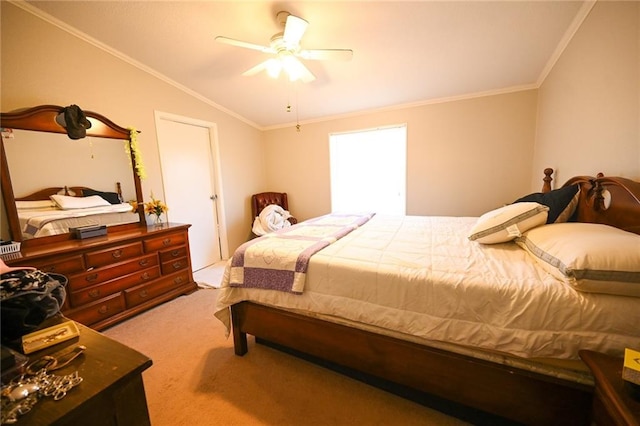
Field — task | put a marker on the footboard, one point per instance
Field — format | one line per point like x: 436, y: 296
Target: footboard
x: 509, y: 392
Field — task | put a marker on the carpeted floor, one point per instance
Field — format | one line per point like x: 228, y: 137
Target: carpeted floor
x: 197, y: 380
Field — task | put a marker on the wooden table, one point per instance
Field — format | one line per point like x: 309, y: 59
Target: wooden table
x: 111, y: 393
x: 612, y: 401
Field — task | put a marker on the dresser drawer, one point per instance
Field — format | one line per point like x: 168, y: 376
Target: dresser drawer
x: 113, y: 255
x: 171, y: 240
x: 140, y: 294
x: 100, y: 275
x: 174, y: 265
x: 99, y: 310
x: 64, y: 266
x: 99, y: 291
x: 175, y: 253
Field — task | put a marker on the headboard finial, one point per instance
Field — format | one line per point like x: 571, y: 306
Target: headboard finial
x: 546, y: 186
x: 598, y: 197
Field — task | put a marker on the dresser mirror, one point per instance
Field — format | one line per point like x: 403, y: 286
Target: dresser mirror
x: 39, y: 159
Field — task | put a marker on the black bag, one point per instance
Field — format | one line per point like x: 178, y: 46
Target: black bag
x: 27, y: 298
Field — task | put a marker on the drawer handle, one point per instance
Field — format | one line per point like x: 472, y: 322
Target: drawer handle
x: 166, y: 241
x: 91, y: 277
x: 175, y: 253
x: 94, y: 293
x: 177, y: 265
x: 143, y: 262
x: 145, y: 276
x: 178, y: 280
x: 103, y: 309
x: 143, y: 294
x: 117, y: 254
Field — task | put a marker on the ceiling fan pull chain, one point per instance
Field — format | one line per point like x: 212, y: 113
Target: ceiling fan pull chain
x: 297, y: 116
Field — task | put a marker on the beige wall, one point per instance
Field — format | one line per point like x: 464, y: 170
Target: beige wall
x: 464, y: 157
x: 42, y: 64
x: 588, y: 113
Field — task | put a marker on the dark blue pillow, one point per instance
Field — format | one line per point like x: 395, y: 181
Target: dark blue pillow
x: 562, y: 202
x: 111, y: 197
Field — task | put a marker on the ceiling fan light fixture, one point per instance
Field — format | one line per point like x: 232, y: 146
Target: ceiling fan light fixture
x: 273, y: 67
x: 292, y: 67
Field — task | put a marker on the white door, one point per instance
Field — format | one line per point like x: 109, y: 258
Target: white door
x: 188, y: 158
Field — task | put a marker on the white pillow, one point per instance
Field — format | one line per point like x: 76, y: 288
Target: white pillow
x: 33, y: 205
x: 590, y: 257
x: 66, y: 202
x: 508, y: 222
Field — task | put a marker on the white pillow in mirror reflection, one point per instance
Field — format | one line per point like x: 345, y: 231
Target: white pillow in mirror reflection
x: 66, y: 202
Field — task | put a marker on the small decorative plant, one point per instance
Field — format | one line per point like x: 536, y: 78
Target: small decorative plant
x: 155, y: 208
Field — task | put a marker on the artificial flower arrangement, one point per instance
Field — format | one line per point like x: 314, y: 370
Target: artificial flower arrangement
x: 155, y: 207
x: 133, y: 146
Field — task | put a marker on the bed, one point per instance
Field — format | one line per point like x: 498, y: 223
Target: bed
x: 52, y: 211
x: 444, y: 306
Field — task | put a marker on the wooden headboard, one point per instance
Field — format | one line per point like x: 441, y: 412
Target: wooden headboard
x: 74, y: 191
x: 611, y: 201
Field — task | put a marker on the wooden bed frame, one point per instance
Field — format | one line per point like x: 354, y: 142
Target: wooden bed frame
x: 507, y: 392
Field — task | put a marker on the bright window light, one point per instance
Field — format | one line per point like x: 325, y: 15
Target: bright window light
x: 368, y: 170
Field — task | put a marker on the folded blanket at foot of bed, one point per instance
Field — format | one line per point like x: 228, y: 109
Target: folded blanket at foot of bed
x: 279, y: 260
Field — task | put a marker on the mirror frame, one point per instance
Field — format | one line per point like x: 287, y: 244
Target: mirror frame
x: 43, y: 119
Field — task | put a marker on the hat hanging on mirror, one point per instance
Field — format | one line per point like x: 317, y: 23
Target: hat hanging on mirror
x: 74, y: 120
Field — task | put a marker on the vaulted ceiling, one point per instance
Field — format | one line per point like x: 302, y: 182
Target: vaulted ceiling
x: 404, y: 52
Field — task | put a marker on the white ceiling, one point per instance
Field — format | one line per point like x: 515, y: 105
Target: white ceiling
x: 405, y: 53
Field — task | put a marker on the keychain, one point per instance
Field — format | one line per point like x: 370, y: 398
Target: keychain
x: 22, y: 393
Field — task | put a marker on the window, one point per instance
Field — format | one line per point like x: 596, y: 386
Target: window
x: 368, y: 170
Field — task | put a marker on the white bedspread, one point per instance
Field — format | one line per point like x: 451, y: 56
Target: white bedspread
x: 421, y: 277
x: 53, y: 221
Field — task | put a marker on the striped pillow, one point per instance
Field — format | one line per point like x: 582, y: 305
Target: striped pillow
x: 590, y: 257
x: 508, y: 222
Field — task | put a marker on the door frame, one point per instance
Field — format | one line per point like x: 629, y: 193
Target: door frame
x: 216, y: 173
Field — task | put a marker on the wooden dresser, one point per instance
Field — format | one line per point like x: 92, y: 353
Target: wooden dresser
x: 116, y: 276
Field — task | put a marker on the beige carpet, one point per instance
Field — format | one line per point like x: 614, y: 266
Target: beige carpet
x: 197, y: 380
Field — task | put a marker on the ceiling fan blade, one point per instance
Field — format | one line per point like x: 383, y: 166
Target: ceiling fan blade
x: 327, y: 54
x: 247, y: 45
x: 272, y: 66
x: 255, y: 70
x: 307, y: 76
x: 294, y: 30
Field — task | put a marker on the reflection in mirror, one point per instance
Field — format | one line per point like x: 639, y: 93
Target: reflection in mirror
x: 94, y: 162
x: 39, y: 160
x: 42, y: 164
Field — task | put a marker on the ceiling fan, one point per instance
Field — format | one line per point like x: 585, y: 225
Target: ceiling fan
x: 285, y: 45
